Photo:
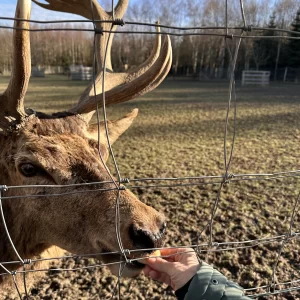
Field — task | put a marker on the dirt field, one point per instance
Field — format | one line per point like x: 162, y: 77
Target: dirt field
x: 179, y: 132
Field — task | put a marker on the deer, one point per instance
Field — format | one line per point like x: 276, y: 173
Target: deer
x: 63, y: 150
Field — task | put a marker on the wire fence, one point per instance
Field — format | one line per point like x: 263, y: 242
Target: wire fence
x: 119, y: 184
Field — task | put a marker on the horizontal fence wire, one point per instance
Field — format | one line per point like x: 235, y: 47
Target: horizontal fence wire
x: 231, y: 36
x: 154, y: 25
x: 217, y: 246
x: 126, y: 183
x: 128, y: 256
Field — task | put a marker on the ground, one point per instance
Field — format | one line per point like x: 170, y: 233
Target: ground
x: 180, y: 132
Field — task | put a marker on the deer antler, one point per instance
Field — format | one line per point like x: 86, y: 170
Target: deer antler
x: 11, y: 100
x: 119, y: 87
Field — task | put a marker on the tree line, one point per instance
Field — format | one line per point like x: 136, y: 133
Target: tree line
x: 205, y: 56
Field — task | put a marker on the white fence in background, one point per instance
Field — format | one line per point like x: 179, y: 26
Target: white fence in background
x: 256, y: 78
x: 37, y: 72
x: 81, y: 73
x: 54, y: 70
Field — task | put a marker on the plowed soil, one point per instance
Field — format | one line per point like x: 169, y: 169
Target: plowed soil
x: 180, y: 132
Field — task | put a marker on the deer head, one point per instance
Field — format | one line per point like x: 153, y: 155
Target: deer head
x: 62, y: 149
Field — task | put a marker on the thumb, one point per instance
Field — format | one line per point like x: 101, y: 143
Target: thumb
x: 159, y: 264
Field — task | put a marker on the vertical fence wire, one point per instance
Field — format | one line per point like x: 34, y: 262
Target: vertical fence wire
x: 13, y: 273
x: 117, y: 183
x: 283, y: 243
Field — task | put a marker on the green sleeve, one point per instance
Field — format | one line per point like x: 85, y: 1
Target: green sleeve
x: 210, y: 284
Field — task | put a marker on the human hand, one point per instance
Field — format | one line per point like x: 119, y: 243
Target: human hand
x: 175, y: 269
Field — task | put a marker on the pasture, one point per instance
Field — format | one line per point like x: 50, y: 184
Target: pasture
x: 179, y: 132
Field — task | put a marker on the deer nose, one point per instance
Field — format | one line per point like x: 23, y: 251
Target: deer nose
x: 143, y: 239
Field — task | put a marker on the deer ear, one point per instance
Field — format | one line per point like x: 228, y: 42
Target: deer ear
x: 115, y: 128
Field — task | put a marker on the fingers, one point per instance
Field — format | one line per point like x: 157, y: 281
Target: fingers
x: 173, y: 255
x: 176, y: 267
x: 165, y: 278
x: 177, y: 254
x: 147, y: 270
x: 159, y: 264
x: 158, y: 276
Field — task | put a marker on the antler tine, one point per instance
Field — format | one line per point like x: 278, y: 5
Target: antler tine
x: 138, y: 86
x: 119, y: 87
x: 120, y: 78
x: 120, y: 8
x: 78, y: 7
x: 83, y: 8
x: 91, y: 10
x: 160, y: 76
x: 11, y: 101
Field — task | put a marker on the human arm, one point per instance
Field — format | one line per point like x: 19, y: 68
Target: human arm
x: 190, y: 279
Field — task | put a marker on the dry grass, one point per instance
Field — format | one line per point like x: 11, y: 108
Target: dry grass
x: 180, y: 132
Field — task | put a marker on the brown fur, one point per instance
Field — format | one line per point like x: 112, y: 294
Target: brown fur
x: 65, y: 151
x: 80, y: 223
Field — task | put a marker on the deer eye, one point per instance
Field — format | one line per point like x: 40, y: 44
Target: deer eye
x: 28, y: 170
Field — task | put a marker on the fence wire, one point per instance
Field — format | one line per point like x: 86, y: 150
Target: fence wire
x: 122, y: 183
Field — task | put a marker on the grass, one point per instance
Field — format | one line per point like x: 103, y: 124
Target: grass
x: 180, y: 132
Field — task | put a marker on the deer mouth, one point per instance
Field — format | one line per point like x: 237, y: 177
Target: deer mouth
x: 130, y: 267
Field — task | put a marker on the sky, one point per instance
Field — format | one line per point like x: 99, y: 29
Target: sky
x: 7, y: 9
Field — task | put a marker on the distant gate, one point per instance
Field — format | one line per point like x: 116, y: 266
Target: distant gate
x: 256, y: 78
x: 81, y: 72
x: 37, y: 72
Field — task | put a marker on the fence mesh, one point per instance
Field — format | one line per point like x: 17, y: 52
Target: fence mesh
x: 231, y: 35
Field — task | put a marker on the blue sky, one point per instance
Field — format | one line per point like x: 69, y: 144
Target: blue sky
x: 7, y: 9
